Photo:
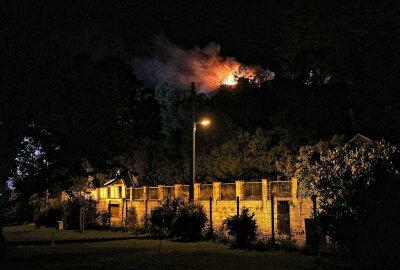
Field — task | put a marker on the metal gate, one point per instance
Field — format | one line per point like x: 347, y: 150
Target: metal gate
x: 283, y: 217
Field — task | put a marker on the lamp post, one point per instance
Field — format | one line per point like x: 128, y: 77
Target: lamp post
x: 204, y: 122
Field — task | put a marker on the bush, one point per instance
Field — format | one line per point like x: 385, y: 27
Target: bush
x: 222, y: 236
x: 131, y: 219
x: 189, y: 222
x: 50, y: 215
x: 263, y: 242
x: 73, y: 208
x: 24, y: 212
x: 243, y: 228
x: 286, y: 242
x: 103, y: 219
x: 162, y: 216
x: 177, y: 218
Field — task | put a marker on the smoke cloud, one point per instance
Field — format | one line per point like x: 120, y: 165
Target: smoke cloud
x: 204, y: 66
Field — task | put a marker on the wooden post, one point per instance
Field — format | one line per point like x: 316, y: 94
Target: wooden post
x: 272, y: 221
x: 122, y: 212
x: 211, y: 221
x: 126, y: 215
x: 237, y: 206
x: 145, y: 217
x: 82, y: 219
x: 109, y: 215
x: 314, y: 201
x: 53, y: 240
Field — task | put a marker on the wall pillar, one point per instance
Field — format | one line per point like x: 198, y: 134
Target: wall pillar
x: 294, y: 189
x: 161, y: 192
x: 196, y: 191
x: 216, y: 191
x: 178, y: 190
x: 265, y: 190
x: 240, y: 189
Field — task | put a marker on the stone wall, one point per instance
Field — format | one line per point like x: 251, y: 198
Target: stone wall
x: 256, y: 196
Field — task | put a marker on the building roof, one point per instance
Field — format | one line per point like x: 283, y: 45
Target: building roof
x: 359, y: 140
x: 125, y: 178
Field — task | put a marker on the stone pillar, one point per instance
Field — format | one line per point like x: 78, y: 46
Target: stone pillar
x: 161, y: 192
x: 265, y: 190
x: 240, y: 189
x: 216, y: 191
x: 196, y: 191
x: 178, y: 190
x: 294, y: 189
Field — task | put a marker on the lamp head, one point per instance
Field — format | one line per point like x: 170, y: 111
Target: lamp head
x: 205, y: 122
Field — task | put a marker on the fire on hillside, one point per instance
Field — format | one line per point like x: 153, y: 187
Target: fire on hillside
x: 205, y: 66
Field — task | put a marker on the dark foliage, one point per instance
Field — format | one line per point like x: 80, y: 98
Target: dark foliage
x: 50, y: 215
x: 72, y: 213
x: 243, y: 228
x: 163, y: 215
x: 177, y: 218
x: 131, y: 219
x: 189, y: 222
x: 372, y: 239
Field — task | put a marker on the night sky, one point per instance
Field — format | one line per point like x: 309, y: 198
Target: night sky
x: 248, y: 31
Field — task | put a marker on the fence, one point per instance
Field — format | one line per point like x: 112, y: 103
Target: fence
x: 185, y: 192
x: 224, y: 191
x: 153, y: 193
x: 252, y: 190
x: 228, y: 191
x: 280, y: 188
x: 138, y: 194
x: 206, y: 191
x: 169, y: 191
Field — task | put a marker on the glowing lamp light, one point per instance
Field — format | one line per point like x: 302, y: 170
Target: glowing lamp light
x: 205, y: 122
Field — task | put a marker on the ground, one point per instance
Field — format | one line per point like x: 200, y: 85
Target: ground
x: 32, y: 249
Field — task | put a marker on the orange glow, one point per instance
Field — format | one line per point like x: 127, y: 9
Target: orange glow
x: 230, y: 80
x: 228, y: 72
x: 205, y: 122
x: 205, y: 66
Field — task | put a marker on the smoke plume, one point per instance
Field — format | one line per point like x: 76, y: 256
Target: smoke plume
x: 204, y: 66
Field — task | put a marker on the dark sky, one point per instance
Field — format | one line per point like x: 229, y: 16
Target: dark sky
x: 247, y: 30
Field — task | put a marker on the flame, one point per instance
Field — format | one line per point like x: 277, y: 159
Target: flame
x: 229, y: 80
x: 205, y: 66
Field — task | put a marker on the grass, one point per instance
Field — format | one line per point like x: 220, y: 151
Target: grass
x: 29, y: 235
x: 135, y: 253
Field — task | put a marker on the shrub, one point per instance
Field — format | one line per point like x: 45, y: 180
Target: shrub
x: 243, y: 228
x: 263, y: 242
x: 24, y: 212
x: 222, y: 236
x: 50, y: 215
x: 286, y: 242
x: 73, y: 208
x: 189, y: 222
x: 175, y: 217
x: 131, y: 219
x: 163, y: 215
x: 103, y: 219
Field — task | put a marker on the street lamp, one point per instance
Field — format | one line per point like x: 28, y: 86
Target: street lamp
x: 204, y: 122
